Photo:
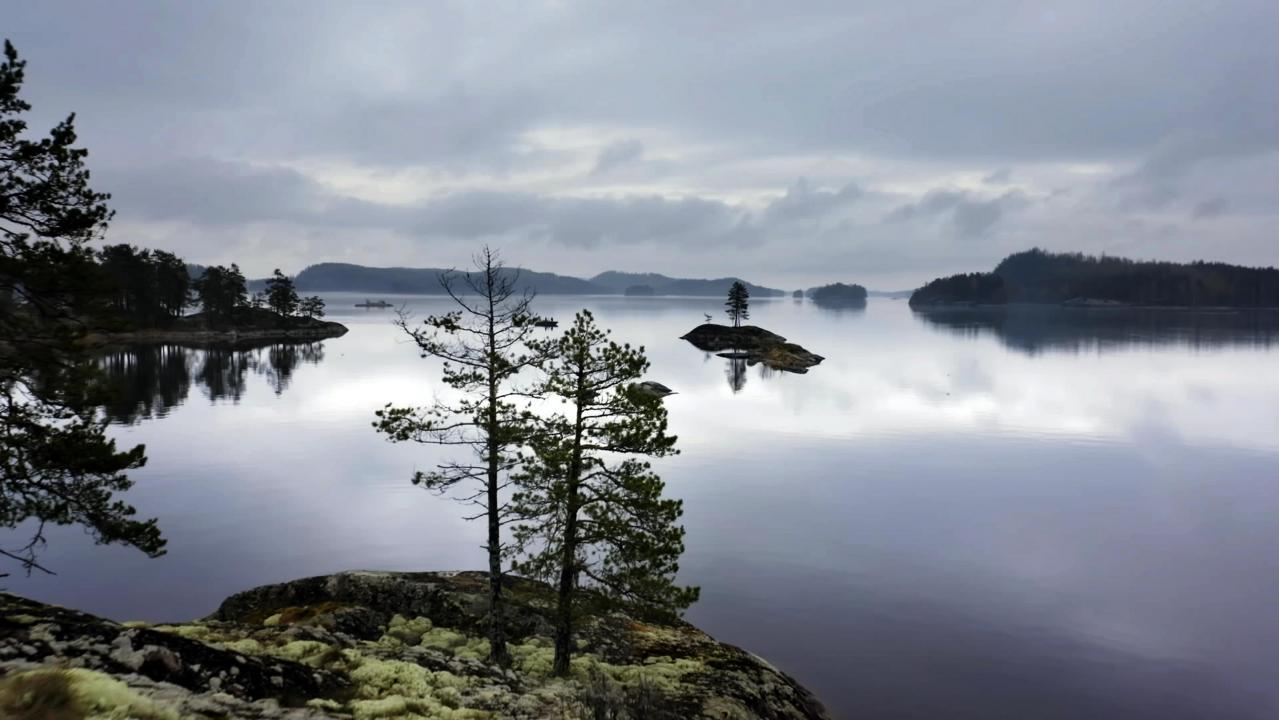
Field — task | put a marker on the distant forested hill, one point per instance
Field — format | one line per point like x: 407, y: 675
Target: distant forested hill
x: 1036, y: 276
x: 338, y: 277
x: 335, y: 277
x: 617, y: 282
x: 838, y: 294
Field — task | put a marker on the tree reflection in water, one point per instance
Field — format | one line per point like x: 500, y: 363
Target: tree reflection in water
x: 148, y: 381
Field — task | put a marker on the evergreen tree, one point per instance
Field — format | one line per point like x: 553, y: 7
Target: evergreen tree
x: 281, y: 296
x: 738, y: 305
x: 57, y: 465
x: 591, y: 511
x: 221, y: 291
x: 482, y: 346
x: 145, y: 288
x: 131, y: 284
x: 172, y: 284
x: 311, y: 307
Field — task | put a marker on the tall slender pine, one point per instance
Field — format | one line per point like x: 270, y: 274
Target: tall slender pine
x: 482, y: 344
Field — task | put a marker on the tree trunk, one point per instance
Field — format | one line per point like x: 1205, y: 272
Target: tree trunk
x: 498, y: 653
x: 568, y: 561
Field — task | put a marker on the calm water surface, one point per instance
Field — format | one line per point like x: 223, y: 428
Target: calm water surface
x: 975, y: 514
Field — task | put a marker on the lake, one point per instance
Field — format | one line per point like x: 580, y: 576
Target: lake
x: 1026, y: 513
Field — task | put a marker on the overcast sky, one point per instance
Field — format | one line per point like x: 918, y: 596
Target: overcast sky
x: 884, y: 142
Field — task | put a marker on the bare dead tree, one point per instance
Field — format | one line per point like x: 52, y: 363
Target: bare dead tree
x: 483, y: 346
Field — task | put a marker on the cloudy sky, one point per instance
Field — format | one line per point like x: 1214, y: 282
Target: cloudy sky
x: 884, y: 142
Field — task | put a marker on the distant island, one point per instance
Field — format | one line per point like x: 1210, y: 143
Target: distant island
x: 1075, y: 279
x: 639, y: 291
x: 345, y: 277
x: 839, y: 295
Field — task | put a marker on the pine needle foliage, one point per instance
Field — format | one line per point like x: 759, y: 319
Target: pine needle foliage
x: 592, y: 512
x: 57, y: 466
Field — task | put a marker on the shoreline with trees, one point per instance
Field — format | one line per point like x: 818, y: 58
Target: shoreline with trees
x: 1037, y: 277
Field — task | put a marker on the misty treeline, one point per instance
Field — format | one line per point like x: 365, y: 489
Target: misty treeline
x: 551, y: 438
x: 1037, y: 276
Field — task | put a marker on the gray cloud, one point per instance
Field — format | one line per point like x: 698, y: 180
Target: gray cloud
x: 999, y: 177
x: 970, y: 216
x: 619, y: 153
x: 227, y: 116
x: 803, y: 202
x: 1212, y: 207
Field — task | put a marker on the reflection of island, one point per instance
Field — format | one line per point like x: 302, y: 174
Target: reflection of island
x: 1035, y: 328
x: 148, y: 381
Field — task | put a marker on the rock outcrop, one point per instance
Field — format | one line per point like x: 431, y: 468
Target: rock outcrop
x: 753, y: 344
x: 252, y: 325
x: 367, y: 645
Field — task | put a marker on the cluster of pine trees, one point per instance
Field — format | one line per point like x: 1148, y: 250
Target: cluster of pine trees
x: 569, y: 475
x: 143, y: 289
x: 1037, y: 276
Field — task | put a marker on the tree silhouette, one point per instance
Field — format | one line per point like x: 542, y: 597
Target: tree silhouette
x: 221, y: 291
x: 56, y: 463
x: 281, y: 296
x: 738, y: 306
x: 311, y: 307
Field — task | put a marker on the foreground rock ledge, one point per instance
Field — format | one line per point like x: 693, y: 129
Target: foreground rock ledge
x: 367, y: 645
x: 754, y: 345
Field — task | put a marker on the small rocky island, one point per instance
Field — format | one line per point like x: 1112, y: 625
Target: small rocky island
x: 366, y: 645
x: 753, y: 344
x: 248, y: 325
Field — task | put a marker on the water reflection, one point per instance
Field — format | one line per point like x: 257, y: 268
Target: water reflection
x: 735, y: 372
x: 149, y: 381
x: 948, y: 502
x: 835, y: 307
x: 1035, y: 329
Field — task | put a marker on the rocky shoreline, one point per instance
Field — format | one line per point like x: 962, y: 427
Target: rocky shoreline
x: 367, y: 645
x: 233, y: 336
x: 754, y: 345
x: 250, y: 325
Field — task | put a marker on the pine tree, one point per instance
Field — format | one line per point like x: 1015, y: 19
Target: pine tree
x: 591, y: 511
x: 311, y: 307
x: 482, y: 346
x: 738, y: 305
x: 57, y: 466
x: 221, y: 291
x: 281, y: 296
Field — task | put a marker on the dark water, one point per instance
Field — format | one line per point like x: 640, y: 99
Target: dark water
x: 973, y: 514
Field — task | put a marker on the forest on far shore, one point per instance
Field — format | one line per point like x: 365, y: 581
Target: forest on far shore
x: 1038, y: 276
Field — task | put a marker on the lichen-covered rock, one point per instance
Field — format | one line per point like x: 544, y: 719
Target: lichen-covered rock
x: 369, y: 645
